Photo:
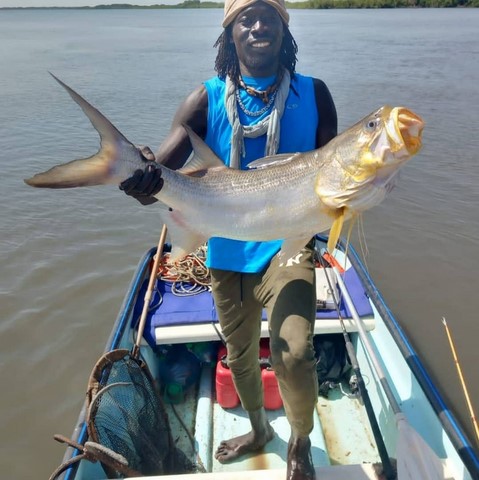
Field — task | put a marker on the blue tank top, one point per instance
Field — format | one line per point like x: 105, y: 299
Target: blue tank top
x: 297, y: 134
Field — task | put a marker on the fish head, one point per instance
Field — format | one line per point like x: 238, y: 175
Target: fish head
x: 394, y: 137
x: 367, y: 158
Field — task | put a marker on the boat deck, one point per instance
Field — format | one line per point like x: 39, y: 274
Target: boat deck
x: 343, y: 472
x: 350, y: 442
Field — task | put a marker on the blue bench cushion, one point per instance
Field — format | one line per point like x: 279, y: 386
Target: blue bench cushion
x: 168, y: 309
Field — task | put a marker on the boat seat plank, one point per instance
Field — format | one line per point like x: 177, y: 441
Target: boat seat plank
x: 206, y: 332
x: 337, y: 472
x: 173, y: 318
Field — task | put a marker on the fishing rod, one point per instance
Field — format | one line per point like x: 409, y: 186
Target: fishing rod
x: 461, y: 378
x: 415, y: 458
x: 388, y: 470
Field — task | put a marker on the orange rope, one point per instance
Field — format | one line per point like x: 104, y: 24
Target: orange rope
x: 191, y: 269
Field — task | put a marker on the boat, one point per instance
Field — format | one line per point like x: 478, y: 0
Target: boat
x: 398, y: 420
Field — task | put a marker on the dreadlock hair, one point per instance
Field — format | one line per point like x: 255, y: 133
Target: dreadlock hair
x: 227, y: 64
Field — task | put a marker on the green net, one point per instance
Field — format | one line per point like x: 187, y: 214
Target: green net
x: 126, y: 414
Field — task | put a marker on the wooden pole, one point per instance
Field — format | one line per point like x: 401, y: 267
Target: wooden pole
x: 149, y: 291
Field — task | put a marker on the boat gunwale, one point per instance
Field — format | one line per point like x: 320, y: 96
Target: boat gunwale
x: 448, y: 420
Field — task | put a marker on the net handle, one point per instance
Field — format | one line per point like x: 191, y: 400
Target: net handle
x: 149, y: 291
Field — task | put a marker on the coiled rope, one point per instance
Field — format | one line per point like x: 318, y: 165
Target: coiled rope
x: 188, y: 276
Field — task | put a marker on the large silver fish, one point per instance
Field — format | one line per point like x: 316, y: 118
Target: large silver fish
x: 288, y: 197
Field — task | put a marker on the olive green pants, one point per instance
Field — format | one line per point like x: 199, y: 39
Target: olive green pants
x: 288, y: 293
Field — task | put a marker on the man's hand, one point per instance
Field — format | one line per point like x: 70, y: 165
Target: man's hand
x: 143, y: 184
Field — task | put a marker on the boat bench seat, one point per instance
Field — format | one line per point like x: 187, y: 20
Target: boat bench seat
x: 176, y: 319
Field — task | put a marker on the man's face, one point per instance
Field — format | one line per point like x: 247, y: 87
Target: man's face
x: 257, y: 33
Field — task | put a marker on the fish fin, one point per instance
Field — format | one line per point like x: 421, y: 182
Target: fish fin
x: 182, y: 249
x: 183, y: 239
x: 203, y: 157
x: 271, y: 160
x: 336, y: 228
x: 99, y: 169
x: 290, y: 249
x: 107, y: 131
x: 83, y: 172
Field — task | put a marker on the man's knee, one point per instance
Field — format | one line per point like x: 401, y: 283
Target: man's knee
x: 291, y: 357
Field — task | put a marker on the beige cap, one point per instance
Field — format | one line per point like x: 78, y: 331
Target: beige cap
x: 233, y: 7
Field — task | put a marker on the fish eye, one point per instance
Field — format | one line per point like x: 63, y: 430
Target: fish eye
x: 372, y: 124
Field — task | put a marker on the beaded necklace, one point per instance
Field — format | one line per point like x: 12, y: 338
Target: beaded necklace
x: 267, y: 96
x: 263, y: 94
x: 259, y: 112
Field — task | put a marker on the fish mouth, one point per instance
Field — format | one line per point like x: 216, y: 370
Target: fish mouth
x: 404, y: 129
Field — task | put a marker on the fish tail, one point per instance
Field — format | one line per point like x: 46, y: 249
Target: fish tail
x: 100, y: 169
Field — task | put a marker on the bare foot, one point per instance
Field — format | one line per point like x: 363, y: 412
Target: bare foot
x: 228, y: 450
x: 300, y: 463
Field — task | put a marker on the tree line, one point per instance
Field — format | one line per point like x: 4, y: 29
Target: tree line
x: 384, y: 4
x: 313, y: 4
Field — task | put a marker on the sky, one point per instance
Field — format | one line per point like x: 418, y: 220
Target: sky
x: 80, y: 3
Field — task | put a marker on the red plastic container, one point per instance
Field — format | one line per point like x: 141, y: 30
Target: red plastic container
x: 226, y: 394
x: 271, y: 398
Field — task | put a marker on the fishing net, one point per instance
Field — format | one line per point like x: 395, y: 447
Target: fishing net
x: 126, y: 414
x: 127, y: 423
x: 128, y: 427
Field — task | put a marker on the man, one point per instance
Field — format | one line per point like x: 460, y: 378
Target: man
x: 256, y: 106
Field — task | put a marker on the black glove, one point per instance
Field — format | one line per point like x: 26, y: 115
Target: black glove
x: 144, y: 183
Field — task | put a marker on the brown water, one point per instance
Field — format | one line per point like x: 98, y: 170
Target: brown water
x: 66, y: 257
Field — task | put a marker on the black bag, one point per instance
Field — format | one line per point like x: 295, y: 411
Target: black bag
x: 333, y: 363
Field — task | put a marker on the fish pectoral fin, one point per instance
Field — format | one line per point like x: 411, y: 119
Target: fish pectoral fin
x: 290, y: 250
x: 336, y: 228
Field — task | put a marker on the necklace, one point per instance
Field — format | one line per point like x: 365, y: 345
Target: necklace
x: 263, y: 94
x: 259, y: 112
